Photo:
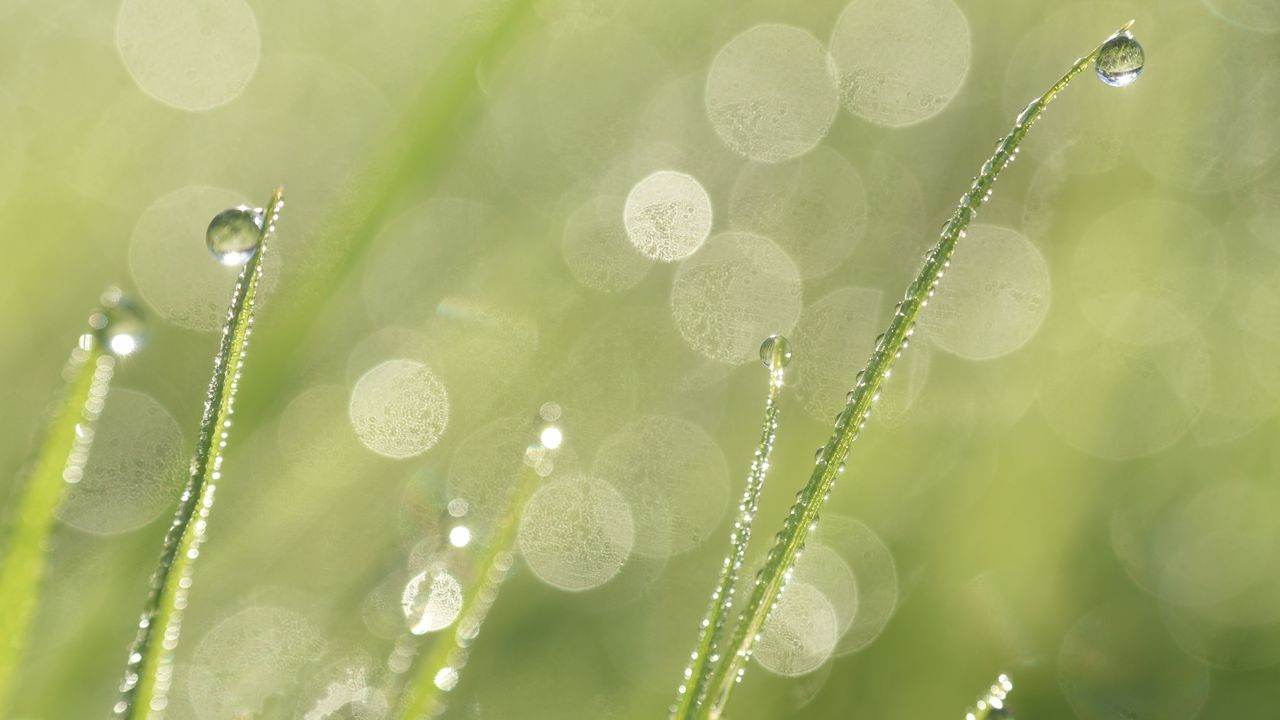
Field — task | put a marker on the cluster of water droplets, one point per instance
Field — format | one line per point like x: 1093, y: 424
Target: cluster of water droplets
x: 992, y: 705
x: 471, y: 607
x: 188, y: 530
x: 775, y: 355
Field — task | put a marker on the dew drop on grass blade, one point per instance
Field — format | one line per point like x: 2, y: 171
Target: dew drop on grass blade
x: 149, y: 668
x: 775, y: 354
x: 1122, y: 51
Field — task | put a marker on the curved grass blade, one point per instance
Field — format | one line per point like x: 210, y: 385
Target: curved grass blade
x: 431, y: 131
x: 437, y: 673
x: 693, y: 684
x: 149, y: 670
x: 60, y: 461
x: 803, y: 516
x: 991, y: 706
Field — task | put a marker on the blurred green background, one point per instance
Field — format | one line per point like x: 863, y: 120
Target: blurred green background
x: 1071, y: 477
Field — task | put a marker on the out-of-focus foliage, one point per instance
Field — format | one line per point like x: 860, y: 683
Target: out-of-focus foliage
x: 1070, y: 477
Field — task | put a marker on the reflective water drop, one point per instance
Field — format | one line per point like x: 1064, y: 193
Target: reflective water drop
x: 550, y: 437
x: 775, y: 352
x: 119, y: 324
x: 234, y: 234
x: 431, y: 601
x: 446, y: 679
x: 460, y: 536
x: 1120, y: 60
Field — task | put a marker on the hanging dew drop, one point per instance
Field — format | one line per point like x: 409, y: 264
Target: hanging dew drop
x: 119, y: 324
x: 775, y: 352
x: 1120, y: 60
x: 234, y: 235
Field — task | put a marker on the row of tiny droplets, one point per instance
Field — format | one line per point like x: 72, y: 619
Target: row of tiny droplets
x: 538, y: 457
x: 740, y: 535
x: 466, y: 631
x: 993, y: 700
x: 164, y: 671
x: 937, y: 260
x: 103, y: 369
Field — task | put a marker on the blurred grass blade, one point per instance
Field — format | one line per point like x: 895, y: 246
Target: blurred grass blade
x: 430, y: 131
x: 803, y: 516
x: 59, y: 461
x: 149, y: 670
x: 776, y: 354
x: 437, y: 673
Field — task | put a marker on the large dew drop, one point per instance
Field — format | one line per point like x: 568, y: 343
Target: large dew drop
x: 1120, y: 60
x: 775, y: 352
x: 234, y: 235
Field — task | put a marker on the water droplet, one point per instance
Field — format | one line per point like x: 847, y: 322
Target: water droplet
x: 1120, y: 60
x: 431, y: 601
x: 1029, y: 111
x: 119, y: 324
x: 775, y: 352
x: 460, y: 536
x: 446, y: 678
x: 550, y: 437
x: 234, y: 234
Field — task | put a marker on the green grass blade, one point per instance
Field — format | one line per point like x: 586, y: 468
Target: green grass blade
x: 63, y: 452
x: 803, y: 516
x: 149, y: 670
x: 991, y: 705
x: 693, y: 684
x: 430, y: 131
x: 437, y: 673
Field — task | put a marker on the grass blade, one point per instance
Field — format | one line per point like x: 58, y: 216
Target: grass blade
x: 60, y: 461
x: 149, y: 670
x: 437, y: 673
x: 693, y: 685
x: 430, y: 132
x: 803, y: 516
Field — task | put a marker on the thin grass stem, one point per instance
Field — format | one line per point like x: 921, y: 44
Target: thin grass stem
x: 60, y: 461
x: 803, y: 517
x: 437, y: 673
x: 693, y: 684
x: 149, y: 669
